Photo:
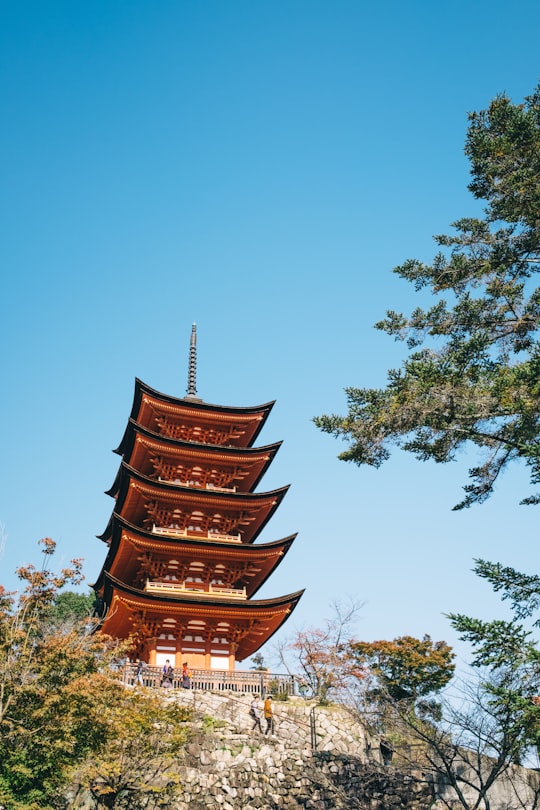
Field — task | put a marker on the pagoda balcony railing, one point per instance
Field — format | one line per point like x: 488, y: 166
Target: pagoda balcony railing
x: 212, y: 680
x: 170, y: 531
x: 192, y: 588
x: 178, y: 483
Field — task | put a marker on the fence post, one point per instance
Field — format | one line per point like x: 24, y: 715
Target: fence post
x: 312, y: 729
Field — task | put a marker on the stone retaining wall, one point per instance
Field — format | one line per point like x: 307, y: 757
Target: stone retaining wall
x: 229, y: 766
x: 236, y: 767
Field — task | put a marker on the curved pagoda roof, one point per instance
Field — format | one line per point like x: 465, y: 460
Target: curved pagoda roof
x: 140, y: 445
x: 255, y: 621
x: 235, y: 425
x: 129, y: 545
x: 248, y: 511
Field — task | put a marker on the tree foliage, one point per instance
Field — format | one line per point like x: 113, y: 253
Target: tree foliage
x: 320, y: 657
x: 407, y: 667
x: 332, y: 663
x: 473, y: 370
x: 506, y: 650
x: 60, y: 706
x: 48, y: 716
x: 491, y: 722
x: 472, y: 746
x: 72, y: 606
x: 136, y: 767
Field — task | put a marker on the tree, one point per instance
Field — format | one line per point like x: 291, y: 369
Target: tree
x: 49, y: 715
x: 472, y: 746
x: 61, y: 710
x: 491, y: 723
x: 72, y: 606
x: 522, y: 590
x: 135, y: 767
x: 320, y: 656
x: 483, y: 727
x: 473, y: 370
x: 258, y: 663
x: 406, y: 668
x: 505, y: 649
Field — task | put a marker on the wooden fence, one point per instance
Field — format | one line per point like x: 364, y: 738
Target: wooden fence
x: 211, y: 680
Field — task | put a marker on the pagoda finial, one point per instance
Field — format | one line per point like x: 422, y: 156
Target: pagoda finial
x: 192, y: 372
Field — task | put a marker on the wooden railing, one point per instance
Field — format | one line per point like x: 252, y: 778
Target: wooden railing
x: 181, y: 587
x: 178, y: 483
x: 169, y: 531
x: 212, y: 680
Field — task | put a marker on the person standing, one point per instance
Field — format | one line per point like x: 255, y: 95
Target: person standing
x: 269, y: 715
x: 139, y: 672
x: 168, y: 675
x: 186, y: 676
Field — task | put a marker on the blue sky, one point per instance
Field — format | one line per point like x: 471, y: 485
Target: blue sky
x: 258, y: 168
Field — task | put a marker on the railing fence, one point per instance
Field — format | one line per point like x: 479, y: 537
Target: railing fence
x: 210, y: 680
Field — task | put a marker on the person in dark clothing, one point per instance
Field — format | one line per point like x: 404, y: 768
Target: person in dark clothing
x: 255, y: 714
x: 168, y: 675
x: 141, y: 666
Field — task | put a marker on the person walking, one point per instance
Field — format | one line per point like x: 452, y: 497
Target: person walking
x: 269, y: 715
x: 255, y: 714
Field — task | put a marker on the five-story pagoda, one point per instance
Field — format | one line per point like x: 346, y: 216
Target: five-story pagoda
x: 182, y: 567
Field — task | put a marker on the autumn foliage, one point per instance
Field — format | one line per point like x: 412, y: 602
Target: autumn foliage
x: 60, y: 708
x: 406, y: 667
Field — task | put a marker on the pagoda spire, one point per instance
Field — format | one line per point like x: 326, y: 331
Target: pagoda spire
x: 192, y: 371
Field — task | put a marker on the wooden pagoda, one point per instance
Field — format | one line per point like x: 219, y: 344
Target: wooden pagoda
x: 182, y: 566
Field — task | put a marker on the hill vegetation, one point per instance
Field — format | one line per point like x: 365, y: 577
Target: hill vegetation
x: 66, y: 718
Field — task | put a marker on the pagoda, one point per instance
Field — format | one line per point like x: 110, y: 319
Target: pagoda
x: 182, y: 566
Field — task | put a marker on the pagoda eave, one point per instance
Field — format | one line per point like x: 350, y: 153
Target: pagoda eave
x: 127, y: 541
x: 257, y: 620
x: 134, y: 490
x: 257, y: 414
x: 126, y: 474
x: 208, y: 449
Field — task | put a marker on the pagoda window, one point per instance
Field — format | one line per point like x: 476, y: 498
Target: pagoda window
x: 223, y: 629
x: 196, y: 475
x: 172, y: 570
x: 219, y: 575
x: 196, y: 629
x: 195, y: 636
x: 198, y: 522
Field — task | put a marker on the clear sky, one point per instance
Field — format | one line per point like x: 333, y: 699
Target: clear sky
x: 258, y: 168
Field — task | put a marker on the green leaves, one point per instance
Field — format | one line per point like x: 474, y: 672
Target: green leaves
x: 61, y: 713
x: 508, y: 657
x: 407, y: 667
x: 472, y: 375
